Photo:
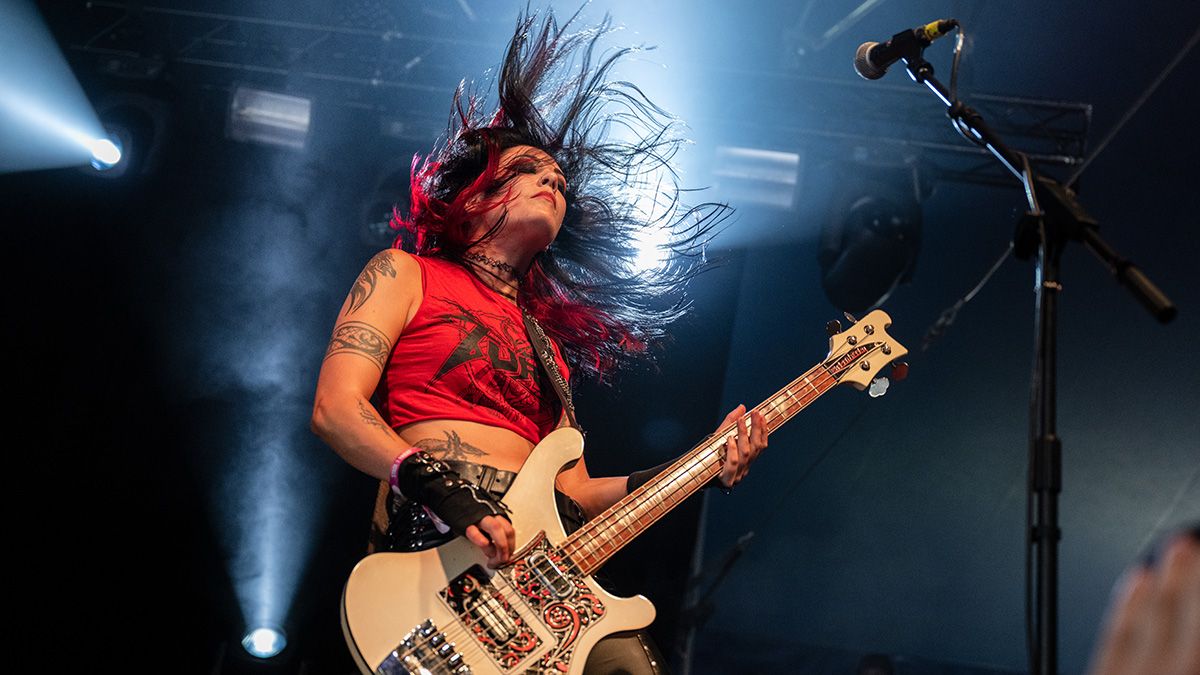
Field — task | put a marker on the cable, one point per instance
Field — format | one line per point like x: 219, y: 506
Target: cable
x: 949, y: 314
x: 1136, y: 106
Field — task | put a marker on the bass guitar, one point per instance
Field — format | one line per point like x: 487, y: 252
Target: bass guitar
x: 442, y: 611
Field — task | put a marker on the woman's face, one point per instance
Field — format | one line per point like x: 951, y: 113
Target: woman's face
x: 536, y: 201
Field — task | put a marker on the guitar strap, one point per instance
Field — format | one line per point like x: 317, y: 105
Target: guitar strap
x: 545, y: 355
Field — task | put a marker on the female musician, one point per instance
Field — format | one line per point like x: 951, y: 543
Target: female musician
x: 528, y: 212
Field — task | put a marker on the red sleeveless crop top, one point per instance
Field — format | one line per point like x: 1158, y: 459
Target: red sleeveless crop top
x: 465, y: 355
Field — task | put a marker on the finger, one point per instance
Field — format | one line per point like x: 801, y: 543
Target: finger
x: 496, y: 530
x: 758, y: 433
x: 732, y: 462
x: 1189, y: 625
x: 1167, y: 640
x: 488, y: 525
x: 1119, y: 645
x: 745, y: 451
x: 477, y: 537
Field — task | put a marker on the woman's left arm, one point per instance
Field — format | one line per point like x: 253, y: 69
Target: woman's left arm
x: 595, y: 495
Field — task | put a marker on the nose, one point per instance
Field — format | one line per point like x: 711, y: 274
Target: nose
x: 549, y: 178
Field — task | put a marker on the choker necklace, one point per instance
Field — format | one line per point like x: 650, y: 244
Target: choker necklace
x: 508, y: 287
x: 497, y: 265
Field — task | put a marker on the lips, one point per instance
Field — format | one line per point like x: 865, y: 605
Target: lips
x: 549, y: 196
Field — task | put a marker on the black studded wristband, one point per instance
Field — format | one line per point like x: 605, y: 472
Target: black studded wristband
x: 432, y: 483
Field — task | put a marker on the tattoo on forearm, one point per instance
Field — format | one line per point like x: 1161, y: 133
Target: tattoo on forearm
x: 356, y: 337
x: 371, y: 418
x: 452, y: 447
x: 364, y: 286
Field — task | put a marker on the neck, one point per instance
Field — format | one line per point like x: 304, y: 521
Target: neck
x: 494, y: 271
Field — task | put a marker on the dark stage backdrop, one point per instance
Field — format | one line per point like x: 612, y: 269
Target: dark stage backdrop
x: 168, y: 332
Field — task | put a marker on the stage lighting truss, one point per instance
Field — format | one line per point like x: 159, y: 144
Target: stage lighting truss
x: 356, y: 55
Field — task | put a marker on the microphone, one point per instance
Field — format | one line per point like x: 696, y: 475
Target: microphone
x: 872, y: 59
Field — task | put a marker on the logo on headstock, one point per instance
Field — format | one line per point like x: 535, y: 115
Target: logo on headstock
x: 848, y: 359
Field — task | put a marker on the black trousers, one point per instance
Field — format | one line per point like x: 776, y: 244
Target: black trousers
x: 409, y: 529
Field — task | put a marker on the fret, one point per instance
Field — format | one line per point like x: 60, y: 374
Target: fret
x: 788, y: 391
x: 810, y: 384
x: 775, y: 407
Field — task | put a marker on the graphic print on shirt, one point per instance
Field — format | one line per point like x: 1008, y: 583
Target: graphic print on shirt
x: 495, y: 364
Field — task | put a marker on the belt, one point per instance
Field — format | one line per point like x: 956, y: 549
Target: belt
x: 496, y: 481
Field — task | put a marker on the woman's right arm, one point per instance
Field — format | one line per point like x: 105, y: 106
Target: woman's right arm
x: 383, y: 300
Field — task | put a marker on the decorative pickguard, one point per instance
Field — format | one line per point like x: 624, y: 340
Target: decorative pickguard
x: 553, y: 587
x: 487, y: 614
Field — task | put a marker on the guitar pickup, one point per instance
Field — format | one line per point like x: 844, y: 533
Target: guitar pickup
x: 551, y: 576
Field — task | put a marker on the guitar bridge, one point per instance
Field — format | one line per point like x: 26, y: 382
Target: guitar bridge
x: 424, y: 650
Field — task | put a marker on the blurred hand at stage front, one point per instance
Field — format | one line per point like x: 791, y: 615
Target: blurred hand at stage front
x: 1153, y: 622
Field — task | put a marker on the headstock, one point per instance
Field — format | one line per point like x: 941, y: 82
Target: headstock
x: 858, y: 353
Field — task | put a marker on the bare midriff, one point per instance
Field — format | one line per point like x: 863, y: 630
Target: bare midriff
x: 477, y: 443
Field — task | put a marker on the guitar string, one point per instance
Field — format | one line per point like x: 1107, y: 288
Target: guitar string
x: 461, y: 631
x: 589, y: 529
x: 584, y: 540
x: 688, y: 466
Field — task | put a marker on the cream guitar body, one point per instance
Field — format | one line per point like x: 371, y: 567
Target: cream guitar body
x: 536, y: 614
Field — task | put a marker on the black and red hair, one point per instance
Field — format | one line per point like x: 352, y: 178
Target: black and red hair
x: 555, y: 95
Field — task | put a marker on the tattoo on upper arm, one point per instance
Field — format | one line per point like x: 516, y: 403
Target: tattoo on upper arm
x: 452, y: 447
x: 357, y: 337
x: 364, y: 286
x: 371, y: 417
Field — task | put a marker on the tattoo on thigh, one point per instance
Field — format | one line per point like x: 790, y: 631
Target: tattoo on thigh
x: 364, y: 286
x: 452, y: 447
x: 356, y: 337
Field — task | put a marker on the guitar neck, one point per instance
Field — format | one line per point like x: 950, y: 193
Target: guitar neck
x: 594, y: 543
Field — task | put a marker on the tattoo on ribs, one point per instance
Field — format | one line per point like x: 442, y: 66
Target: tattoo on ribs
x: 370, y: 417
x: 451, y: 448
x: 364, y: 286
x: 356, y: 337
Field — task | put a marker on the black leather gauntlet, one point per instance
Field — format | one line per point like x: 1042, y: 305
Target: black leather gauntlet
x: 432, y: 483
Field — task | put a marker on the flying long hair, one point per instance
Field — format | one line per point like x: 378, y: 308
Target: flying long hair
x: 615, y: 147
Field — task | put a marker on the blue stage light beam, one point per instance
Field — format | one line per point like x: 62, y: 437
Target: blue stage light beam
x: 45, y: 118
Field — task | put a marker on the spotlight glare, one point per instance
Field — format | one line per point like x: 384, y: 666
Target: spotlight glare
x: 653, y: 250
x: 105, y: 154
x: 264, y: 642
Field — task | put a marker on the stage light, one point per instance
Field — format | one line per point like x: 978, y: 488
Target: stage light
x: 105, y: 154
x: 264, y: 642
x: 269, y: 117
x: 117, y: 153
x: 757, y: 176
x: 869, y: 243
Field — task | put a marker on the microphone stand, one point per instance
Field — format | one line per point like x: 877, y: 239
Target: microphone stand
x: 1055, y: 217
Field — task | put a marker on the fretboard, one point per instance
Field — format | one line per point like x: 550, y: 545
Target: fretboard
x: 595, y: 542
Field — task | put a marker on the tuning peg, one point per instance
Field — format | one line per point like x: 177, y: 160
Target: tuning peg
x: 849, y: 317
x: 899, y: 371
x: 878, y: 387
x: 833, y: 327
